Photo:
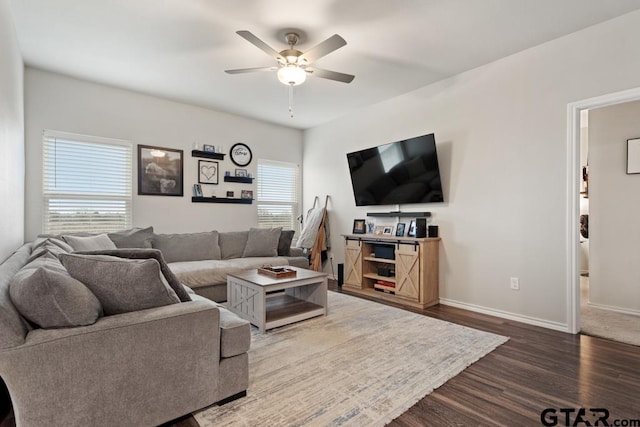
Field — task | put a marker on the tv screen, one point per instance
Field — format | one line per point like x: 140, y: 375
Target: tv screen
x: 397, y: 173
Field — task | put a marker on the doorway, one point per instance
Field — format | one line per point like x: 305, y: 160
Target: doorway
x: 577, y: 187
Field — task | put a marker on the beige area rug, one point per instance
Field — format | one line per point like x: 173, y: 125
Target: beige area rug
x: 606, y: 323
x: 362, y: 365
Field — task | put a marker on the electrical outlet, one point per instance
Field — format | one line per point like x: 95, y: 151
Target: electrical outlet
x: 515, y: 284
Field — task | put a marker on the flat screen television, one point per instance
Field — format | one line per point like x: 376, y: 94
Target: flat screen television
x: 401, y: 172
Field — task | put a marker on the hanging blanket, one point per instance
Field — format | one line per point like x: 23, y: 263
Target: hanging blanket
x: 308, y: 234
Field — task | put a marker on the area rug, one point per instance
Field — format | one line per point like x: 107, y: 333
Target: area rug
x: 606, y: 323
x: 362, y: 365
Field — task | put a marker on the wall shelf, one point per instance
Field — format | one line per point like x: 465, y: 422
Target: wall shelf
x: 207, y: 154
x: 400, y: 214
x: 239, y: 179
x: 221, y: 200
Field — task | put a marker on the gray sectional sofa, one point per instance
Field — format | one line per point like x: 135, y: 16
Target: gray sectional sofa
x: 94, y: 334
x: 204, y: 266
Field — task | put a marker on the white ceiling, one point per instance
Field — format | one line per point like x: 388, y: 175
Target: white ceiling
x: 179, y: 49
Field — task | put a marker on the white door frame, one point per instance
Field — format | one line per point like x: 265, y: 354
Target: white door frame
x: 573, y: 195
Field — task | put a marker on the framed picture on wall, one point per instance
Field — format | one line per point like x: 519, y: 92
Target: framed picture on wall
x: 207, y: 172
x: 633, y: 156
x: 160, y: 171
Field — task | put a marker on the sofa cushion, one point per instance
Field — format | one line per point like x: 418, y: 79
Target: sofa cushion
x: 89, y: 243
x: 232, y: 244
x: 121, y: 285
x: 188, y: 246
x: 49, y: 245
x: 197, y: 274
x: 262, y: 242
x: 235, y: 332
x: 137, y: 253
x: 13, y: 327
x: 133, y: 238
x: 284, y: 243
x: 53, y: 299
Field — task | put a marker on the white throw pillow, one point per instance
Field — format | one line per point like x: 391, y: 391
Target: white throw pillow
x: 99, y: 242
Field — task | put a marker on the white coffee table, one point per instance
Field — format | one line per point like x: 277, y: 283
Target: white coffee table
x: 253, y: 297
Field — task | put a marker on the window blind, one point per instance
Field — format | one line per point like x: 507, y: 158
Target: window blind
x: 87, y: 183
x: 278, y: 195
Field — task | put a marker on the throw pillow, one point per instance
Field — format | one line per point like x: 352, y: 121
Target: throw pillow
x: 284, y: 244
x: 132, y: 238
x: 188, y: 246
x: 52, y: 299
x: 135, y: 253
x: 42, y: 246
x: 262, y: 242
x: 89, y: 243
x: 121, y: 285
x: 232, y: 244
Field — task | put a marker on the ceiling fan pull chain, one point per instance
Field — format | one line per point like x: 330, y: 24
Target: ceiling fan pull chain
x: 291, y: 100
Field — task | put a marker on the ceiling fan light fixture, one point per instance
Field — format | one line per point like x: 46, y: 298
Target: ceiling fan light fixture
x: 291, y: 75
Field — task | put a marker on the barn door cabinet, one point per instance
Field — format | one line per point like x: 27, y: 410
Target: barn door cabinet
x: 399, y: 269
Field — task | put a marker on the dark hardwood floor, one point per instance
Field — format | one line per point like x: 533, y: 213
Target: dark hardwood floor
x: 536, y: 369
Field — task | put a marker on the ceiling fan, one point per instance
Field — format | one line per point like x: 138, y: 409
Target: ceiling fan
x: 293, y: 65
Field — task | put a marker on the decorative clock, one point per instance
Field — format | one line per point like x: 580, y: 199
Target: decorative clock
x: 240, y: 154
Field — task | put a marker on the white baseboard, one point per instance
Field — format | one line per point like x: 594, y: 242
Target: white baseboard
x: 629, y: 311
x: 556, y: 326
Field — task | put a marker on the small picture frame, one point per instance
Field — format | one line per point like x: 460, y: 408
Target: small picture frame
x: 207, y: 172
x: 246, y: 194
x: 370, y: 227
x: 378, y: 230
x: 633, y: 156
x: 359, y: 226
x: 388, y: 230
x: 400, y: 229
x: 412, y: 228
x: 209, y: 148
x: 241, y: 172
x: 197, y: 190
x: 229, y: 193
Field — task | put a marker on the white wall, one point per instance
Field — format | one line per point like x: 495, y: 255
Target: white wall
x: 61, y: 103
x: 11, y: 136
x: 502, y: 144
x: 614, y: 229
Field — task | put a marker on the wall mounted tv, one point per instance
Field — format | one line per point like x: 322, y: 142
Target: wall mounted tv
x: 401, y: 172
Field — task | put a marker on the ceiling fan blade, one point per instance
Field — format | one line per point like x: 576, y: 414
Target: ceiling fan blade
x: 250, y: 70
x: 251, y: 38
x: 331, y: 75
x: 329, y: 45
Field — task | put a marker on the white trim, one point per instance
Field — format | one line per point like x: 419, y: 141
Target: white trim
x: 556, y: 326
x: 573, y: 194
x: 629, y: 311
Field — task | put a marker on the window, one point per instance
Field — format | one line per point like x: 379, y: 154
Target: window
x: 278, y: 195
x: 86, y: 183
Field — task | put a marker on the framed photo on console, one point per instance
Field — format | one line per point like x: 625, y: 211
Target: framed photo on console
x: 412, y: 228
x: 388, y: 230
x: 359, y: 226
x: 400, y: 229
